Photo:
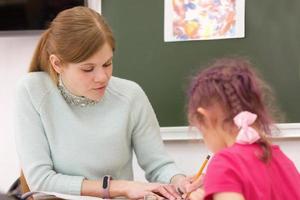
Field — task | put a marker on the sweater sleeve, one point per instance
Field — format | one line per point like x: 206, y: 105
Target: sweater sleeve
x: 33, y: 148
x: 147, y: 142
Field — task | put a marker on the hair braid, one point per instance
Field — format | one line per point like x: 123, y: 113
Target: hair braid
x: 233, y: 99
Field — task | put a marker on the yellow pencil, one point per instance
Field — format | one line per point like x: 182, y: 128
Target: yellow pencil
x: 202, y: 168
x: 199, y: 173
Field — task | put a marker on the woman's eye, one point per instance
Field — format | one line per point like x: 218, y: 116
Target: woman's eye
x: 87, y: 70
x: 107, y: 64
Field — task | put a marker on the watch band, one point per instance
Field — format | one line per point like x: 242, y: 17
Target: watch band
x: 105, y: 186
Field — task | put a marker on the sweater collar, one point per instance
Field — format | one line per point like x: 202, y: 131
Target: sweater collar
x: 72, y: 99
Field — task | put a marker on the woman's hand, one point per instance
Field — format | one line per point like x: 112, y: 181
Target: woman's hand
x: 138, y: 190
x: 180, y: 181
x: 168, y: 191
x: 130, y: 189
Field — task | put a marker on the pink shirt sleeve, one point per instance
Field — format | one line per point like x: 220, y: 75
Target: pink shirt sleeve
x: 222, y: 176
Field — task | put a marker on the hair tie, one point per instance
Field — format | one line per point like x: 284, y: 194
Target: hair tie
x: 247, y: 134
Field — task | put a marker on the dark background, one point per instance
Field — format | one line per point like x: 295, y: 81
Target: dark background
x: 31, y: 14
x: 163, y: 69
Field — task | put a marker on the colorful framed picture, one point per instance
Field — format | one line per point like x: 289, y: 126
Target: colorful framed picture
x: 203, y: 19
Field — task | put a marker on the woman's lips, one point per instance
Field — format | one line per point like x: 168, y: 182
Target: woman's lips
x: 100, y: 88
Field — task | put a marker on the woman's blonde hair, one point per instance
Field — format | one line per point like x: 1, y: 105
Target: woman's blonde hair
x: 73, y: 36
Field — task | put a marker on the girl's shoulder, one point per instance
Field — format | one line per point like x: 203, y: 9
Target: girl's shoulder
x: 237, y: 153
x: 245, y: 154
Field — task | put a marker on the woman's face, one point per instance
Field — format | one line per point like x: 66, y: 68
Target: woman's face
x: 90, y: 77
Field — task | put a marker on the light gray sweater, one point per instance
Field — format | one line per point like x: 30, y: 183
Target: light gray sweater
x: 60, y: 144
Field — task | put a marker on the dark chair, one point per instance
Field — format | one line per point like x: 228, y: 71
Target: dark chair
x: 23, y: 184
x: 18, y: 188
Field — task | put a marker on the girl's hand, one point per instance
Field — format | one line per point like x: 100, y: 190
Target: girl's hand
x: 193, y: 183
x: 196, y: 195
x: 189, y: 184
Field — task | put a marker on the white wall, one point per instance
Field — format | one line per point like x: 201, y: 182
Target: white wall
x: 16, y: 50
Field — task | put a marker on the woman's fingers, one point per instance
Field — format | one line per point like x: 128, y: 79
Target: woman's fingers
x: 173, y: 191
x: 180, y: 191
x: 153, y: 196
x: 168, y: 191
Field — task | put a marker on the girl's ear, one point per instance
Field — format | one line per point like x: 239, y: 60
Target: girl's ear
x: 202, y: 111
x: 205, y: 116
x: 55, y: 63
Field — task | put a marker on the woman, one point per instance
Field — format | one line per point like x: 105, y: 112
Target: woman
x: 76, y: 124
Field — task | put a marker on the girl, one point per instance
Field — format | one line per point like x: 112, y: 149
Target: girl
x: 226, y: 103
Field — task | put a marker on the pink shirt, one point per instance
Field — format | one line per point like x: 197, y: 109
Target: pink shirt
x: 238, y: 169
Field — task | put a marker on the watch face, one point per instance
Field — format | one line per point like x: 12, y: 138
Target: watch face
x: 105, y: 181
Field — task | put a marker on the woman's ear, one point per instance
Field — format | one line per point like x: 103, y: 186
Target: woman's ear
x: 55, y: 63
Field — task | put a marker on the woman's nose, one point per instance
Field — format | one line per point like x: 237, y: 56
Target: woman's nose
x: 100, y: 75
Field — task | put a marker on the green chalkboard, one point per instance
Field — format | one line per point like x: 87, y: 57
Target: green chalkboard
x: 272, y: 43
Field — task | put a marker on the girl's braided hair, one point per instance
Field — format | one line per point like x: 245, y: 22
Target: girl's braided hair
x: 235, y: 86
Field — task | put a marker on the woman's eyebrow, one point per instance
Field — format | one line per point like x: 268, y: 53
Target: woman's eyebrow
x: 108, y: 60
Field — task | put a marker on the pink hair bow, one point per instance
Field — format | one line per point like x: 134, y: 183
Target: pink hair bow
x: 247, y: 134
